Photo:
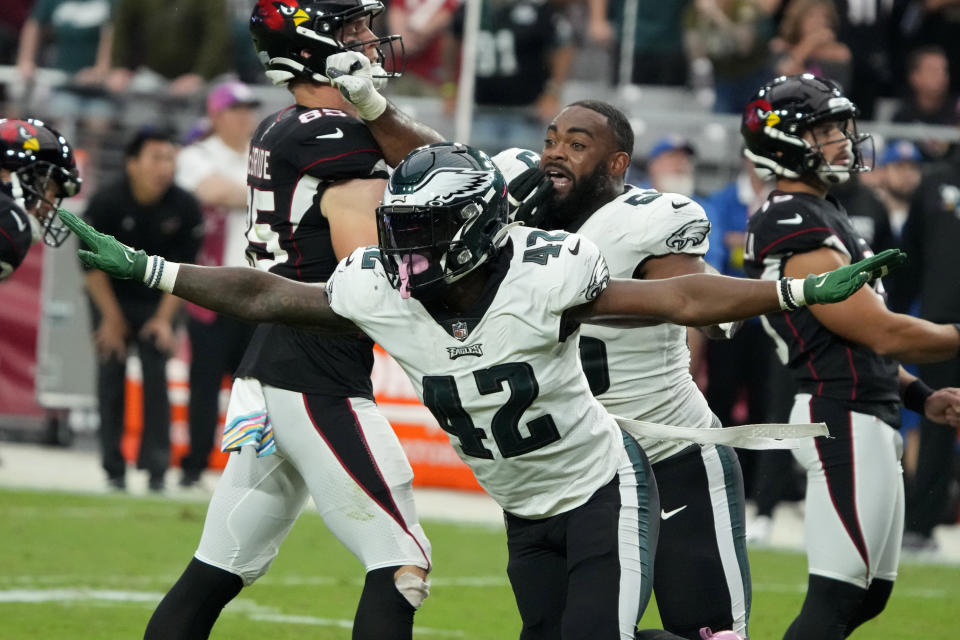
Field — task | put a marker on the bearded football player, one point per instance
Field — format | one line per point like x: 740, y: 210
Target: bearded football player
x: 702, y: 577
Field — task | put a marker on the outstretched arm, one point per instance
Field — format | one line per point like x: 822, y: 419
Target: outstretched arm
x: 704, y: 299
x: 245, y: 293
x: 257, y: 296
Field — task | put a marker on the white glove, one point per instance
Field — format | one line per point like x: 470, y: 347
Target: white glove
x: 352, y: 73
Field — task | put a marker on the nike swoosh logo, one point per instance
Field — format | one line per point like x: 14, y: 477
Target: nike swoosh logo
x: 820, y: 284
x: 331, y: 136
x: 21, y: 225
x: 349, y: 261
x: 666, y: 515
x: 680, y: 205
x: 576, y: 248
x: 797, y: 219
x: 127, y: 258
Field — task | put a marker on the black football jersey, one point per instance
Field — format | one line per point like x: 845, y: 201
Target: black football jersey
x: 824, y: 364
x: 295, y: 155
x: 514, y: 45
x: 15, y: 235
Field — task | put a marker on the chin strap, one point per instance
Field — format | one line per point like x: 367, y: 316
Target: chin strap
x: 16, y: 192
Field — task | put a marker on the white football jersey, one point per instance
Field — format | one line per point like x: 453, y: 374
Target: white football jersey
x: 506, y: 385
x: 642, y: 373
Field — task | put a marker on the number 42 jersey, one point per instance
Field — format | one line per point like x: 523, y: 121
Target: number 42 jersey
x: 503, y: 379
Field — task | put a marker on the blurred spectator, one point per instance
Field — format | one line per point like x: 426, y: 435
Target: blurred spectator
x: 215, y: 171
x: 657, y: 45
x: 184, y: 41
x: 670, y: 166
x: 871, y: 29
x: 12, y: 19
x: 897, y: 177
x: 931, y: 236
x: 866, y: 212
x: 808, y: 42
x: 524, y: 53
x: 80, y: 35
x: 935, y: 22
x: 142, y: 209
x: 733, y: 35
x: 599, y: 29
x: 929, y: 100
x: 422, y: 23
x: 245, y: 62
x: 745, y: 369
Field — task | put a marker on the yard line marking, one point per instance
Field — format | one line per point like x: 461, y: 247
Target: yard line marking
x: 798, y: 587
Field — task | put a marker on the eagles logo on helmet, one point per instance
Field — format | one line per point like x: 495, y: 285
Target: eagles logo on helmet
x: 294, y: 38
x: 444, y: 214
x: 775, y: 120
x: 43, y: 171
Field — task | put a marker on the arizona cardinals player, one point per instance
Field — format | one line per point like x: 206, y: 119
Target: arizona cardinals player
x: 301, y: 419
x: 483, y: 316
x: 844, y: 357
x: 37, y: 170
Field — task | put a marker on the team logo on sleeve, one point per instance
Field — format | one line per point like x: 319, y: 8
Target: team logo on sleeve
x: 692, y: 234
x: 599, y: 280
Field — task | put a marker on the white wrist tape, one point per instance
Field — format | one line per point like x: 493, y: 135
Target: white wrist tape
x: 790, y: 294
x: 160, y: 274
x: 372, y: 106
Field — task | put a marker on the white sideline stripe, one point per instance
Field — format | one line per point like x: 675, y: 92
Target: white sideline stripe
x: 292, y: 581
x: 241, y: 606
x: 904, y: 592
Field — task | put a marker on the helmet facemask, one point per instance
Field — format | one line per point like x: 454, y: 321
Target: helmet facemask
x: 428, y: 248
x: 44, y: 185
x: 294, y: 38
x: 830, y: 174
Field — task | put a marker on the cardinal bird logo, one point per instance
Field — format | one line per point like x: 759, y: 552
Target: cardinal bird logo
x: 18, y: 131
x: 275, y: 13
x: 760, y: 113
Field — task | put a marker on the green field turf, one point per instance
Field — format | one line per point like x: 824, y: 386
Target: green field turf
x: 94, y: 567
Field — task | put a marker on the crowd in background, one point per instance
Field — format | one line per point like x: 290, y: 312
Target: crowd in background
x: 122, y: 70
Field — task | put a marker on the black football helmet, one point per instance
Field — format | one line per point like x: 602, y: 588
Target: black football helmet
x: 444, y: 214
x: 39, y: 158
x: 781, y: 111
x: 283, y: 30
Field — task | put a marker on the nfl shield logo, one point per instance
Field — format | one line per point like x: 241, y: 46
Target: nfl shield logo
x: 460, y: 331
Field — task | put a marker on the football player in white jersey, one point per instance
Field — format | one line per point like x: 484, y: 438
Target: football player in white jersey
x: 484, y: 318
x: 703, y: 576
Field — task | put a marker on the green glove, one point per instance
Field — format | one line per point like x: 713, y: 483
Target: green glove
x: 840, y: 284
x: 108, y: 254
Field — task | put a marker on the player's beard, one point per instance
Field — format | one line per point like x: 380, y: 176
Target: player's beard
x: 588, y: 194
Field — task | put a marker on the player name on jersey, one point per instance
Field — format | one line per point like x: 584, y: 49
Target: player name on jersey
x: 258, y: 163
